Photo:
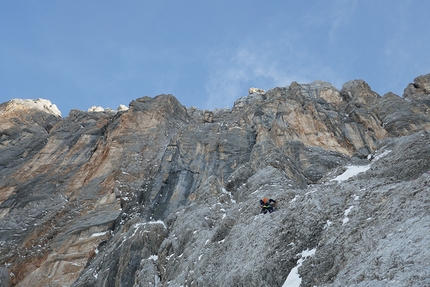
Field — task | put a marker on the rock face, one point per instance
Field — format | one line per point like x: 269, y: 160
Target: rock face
x: 162, y: 195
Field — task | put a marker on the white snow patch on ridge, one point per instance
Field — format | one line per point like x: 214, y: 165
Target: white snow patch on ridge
x: 137, y: 226
x: 98, y: 234
x: 327, y: 225
x: 157, y: 222
x: 351, y: 171
x: 229, y: 194
x: 293, y: 279
x: 378, y: 157
x: 346, y: 219
x: 153, y: 257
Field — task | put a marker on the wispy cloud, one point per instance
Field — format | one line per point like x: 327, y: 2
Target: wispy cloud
x: 341, y: 12
x: 233, y: 72
x: 267, y: 66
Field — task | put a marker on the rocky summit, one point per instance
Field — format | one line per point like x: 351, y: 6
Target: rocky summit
x: 158, y: 194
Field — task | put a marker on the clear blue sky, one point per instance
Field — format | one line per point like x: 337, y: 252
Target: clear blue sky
x: 79, y: 54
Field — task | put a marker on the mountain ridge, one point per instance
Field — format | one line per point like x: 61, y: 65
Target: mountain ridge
x: 164, y: 195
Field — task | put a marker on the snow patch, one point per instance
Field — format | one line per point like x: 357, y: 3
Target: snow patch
x: 378, y: 157
x: 229, y: 194
x: 346, y: 219
x: 153, y: 257
x: 352, y: 170
x: 158, y: 222
x: 138, y: 225
x: 293, y: 279
x: 136, y: 228
x: 327, y: 225
x: 170, y: 256
x: 99, y: 234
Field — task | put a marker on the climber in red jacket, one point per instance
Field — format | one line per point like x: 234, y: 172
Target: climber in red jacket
x: 267, y: 205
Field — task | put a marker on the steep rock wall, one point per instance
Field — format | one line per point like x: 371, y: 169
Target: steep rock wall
x: 163, y: 195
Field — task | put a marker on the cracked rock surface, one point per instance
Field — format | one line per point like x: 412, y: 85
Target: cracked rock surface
x: 163, y: 195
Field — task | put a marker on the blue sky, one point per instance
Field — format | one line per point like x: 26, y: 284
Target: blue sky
x: 79, y: 54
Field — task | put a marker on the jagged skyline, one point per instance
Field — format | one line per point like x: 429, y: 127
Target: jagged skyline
x: 206, y: 54
x: 162, y: 195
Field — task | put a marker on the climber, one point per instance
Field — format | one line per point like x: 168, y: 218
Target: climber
x: 267, y: 204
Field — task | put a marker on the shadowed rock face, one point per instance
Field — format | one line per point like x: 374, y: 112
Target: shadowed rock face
x: 162, y: 195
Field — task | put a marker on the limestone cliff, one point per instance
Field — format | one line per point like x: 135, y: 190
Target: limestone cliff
x: 162, y: 195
